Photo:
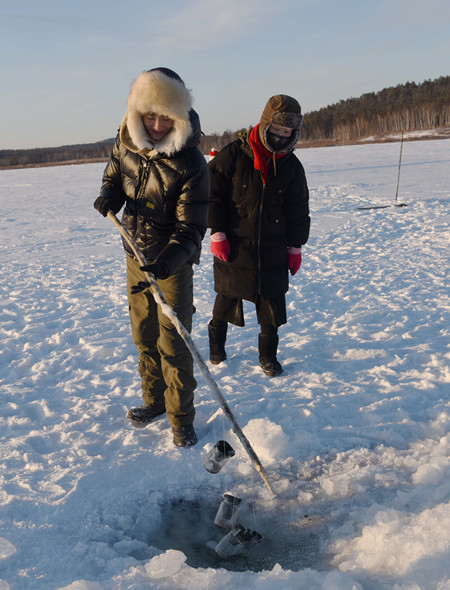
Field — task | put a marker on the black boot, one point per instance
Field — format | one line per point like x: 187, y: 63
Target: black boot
x: 267, y: 346
x: 146, y: 414
x: 217, y: 337
x: 184, y: 436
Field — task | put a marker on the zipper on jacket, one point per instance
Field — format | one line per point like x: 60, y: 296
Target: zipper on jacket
x: 258, y: 244
x: 144, y: 178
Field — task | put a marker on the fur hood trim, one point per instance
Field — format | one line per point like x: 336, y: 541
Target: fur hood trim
x: 155, y: 92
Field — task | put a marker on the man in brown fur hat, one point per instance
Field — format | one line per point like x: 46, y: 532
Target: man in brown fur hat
x: 259, y: 220
x: 158, y: 172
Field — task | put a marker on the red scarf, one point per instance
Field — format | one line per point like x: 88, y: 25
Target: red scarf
x: 262, y: 154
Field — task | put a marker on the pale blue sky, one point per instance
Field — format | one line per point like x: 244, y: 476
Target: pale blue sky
x: 66, y: 66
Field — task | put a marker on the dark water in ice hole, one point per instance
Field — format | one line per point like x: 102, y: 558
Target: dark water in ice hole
x: 188, y: 526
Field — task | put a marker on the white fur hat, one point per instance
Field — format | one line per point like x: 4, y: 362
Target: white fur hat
x: 163, y: 92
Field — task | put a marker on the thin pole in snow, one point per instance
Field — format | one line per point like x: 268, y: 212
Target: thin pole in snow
x: 399, y: 165
x: 396, y: 192
x: 168, y: 311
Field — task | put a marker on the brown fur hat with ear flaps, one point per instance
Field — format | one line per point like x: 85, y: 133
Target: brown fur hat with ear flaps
x: 283, y: 111
x: 163, y: 92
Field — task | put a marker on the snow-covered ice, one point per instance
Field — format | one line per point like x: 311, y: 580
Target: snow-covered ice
x: 354, y: 435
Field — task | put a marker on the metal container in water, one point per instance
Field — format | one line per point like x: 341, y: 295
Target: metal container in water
x: 237, y: 542
x: 227, y: 512
x: 233, y: 543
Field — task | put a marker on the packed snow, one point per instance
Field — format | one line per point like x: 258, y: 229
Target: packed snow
x: 354, y: 436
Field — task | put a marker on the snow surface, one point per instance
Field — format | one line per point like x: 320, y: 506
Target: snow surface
x: 438, y: 133
x: 354, y: 435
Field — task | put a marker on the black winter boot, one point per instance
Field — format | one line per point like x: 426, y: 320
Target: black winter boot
x: 217, y: 337
x: 267, y: 346
x: 184, y: 436
x: 146, y: 414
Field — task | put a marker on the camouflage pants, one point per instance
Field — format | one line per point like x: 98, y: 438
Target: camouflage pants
x: 165, y: 363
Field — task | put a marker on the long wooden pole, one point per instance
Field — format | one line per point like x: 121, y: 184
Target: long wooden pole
x: 168, y: 311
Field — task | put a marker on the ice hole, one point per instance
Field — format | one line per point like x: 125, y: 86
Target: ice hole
x: 188, y: 526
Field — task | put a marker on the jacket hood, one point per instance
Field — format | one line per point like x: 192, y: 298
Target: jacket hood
x: 163, y: 92
x: 284, y: 111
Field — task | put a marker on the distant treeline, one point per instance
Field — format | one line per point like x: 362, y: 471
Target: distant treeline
x: 217, y: 141
x: 406, y: 107
x: 66, y: 153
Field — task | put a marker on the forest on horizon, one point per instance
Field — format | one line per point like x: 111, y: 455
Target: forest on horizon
x: 405, y: 107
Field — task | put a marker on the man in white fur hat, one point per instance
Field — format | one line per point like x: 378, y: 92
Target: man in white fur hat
x: 158, y: 172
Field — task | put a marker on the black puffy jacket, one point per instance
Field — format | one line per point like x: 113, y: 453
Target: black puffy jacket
x: 260, y: 221
x: 165, y: 197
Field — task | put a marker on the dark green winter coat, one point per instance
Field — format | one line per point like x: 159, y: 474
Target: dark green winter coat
x: 165, y: 197
x: 260, y: 221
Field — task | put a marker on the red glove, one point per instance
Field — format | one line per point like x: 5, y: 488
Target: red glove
x: 220, y: 246
x: 294, y: 259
